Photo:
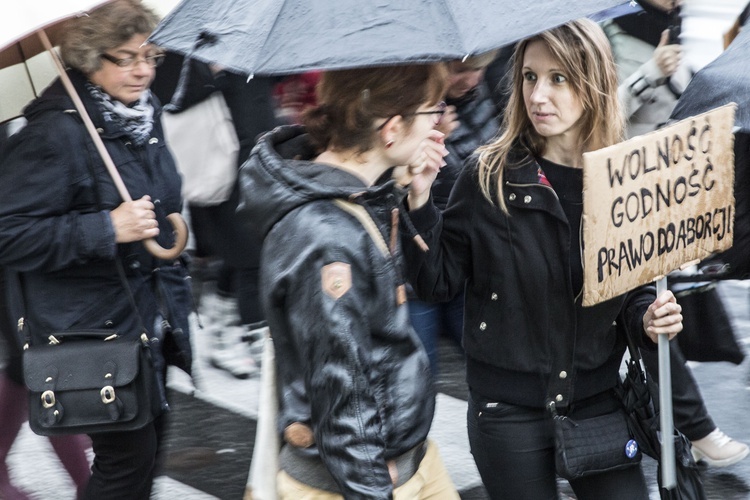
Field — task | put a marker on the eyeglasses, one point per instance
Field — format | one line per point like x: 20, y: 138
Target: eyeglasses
x: 129, y: 63
x: 439, y: 112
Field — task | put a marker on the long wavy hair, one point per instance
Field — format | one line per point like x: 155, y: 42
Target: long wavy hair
x: 583, y: 52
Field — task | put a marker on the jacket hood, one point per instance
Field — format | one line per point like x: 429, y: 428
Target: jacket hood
x: 280, y: 176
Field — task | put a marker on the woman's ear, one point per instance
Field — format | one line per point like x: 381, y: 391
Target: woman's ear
x: 392, y: 131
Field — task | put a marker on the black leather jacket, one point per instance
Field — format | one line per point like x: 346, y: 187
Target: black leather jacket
x: 527, y: 338
x: 349, y: 364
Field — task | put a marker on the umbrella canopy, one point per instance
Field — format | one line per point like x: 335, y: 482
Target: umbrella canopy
x: 23, y: 74
x: 726, y: 79
x: 276, y: 37
x: 18, y: 26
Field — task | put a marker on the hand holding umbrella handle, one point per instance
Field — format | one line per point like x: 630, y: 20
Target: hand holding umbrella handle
x: 178, y: 223
x: 180, y: 240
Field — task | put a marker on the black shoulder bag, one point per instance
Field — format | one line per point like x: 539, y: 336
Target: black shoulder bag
x: 85, y: 382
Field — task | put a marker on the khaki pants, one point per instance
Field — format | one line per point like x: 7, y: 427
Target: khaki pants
x: 431, y: 481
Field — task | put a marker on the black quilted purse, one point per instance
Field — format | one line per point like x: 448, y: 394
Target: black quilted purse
x: 592, y: 445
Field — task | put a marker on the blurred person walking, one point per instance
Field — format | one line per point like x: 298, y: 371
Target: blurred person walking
x: 356, y: 398
x: 471, y: 120
x: 510, y: 236
x: 233, y: 314
x: 65, y: 229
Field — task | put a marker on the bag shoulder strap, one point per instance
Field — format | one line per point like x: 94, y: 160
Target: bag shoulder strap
x: 364, y: 218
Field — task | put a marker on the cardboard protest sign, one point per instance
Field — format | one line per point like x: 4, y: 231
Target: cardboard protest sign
x: 656, y: 202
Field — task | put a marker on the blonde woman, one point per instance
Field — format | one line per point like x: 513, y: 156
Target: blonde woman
x: 511, y: 236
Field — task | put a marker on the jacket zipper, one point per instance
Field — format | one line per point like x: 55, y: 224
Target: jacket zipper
x: 580, y: 226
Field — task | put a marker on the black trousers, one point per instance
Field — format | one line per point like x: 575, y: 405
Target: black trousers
x: 513, y: 447
x: 690, y: 413
x: 125, y: 463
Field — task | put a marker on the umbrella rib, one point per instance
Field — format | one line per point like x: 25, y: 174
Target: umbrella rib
x: 26, y: 67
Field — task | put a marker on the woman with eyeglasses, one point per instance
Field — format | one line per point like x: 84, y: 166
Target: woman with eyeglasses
x: 511, y: 238
x: 65, y: 229
x: 356, y: 397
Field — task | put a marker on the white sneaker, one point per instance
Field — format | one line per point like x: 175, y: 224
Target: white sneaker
x: 228, y: 353
x: 719, y: 450
x: 235, y: 363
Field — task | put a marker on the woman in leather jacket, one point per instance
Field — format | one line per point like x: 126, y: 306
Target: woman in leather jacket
x: 511, y: 236
x: 356, y: 398
x: 65, y: 228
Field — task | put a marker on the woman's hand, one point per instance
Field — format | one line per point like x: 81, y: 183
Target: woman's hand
x: 663, y: 317
x: 135, y: 221
x: 422, y: 169
x: 449, y: 122
x: 667, y: 56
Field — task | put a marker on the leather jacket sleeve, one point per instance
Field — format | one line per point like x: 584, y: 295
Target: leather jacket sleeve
x: 440, y: 273
x: 330, y: 332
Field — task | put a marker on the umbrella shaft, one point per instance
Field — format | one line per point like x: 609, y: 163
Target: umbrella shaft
x: 111, y: 168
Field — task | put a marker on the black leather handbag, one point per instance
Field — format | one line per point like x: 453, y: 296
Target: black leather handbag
x: 593, y: 445
x: 89, y: 382
x: 86, y: 382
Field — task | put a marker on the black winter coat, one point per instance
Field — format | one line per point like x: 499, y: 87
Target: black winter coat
x: 55, y: 228
x: 352, y: 366
x: 527, y: 338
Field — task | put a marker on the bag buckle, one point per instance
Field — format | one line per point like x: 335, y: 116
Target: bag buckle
x: 48, y: 399
x: 108, y: 394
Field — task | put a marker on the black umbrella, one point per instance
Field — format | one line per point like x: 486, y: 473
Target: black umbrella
x: 275, y: 37
x: 637, y: 392
x: 726, y: 79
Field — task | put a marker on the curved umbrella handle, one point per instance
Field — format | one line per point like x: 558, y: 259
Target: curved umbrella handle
x: 180, y: 230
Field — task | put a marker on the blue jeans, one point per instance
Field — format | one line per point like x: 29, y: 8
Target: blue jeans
x: 430, y: 320
x: 513, y: 447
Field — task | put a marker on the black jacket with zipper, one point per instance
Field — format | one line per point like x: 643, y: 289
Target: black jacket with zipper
x: 527, y: 338
x: 351, y: 367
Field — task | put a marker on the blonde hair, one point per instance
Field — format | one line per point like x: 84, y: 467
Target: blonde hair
x: 480, y: 61
x: 584, y: 53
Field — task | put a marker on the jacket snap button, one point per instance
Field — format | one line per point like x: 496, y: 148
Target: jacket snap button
x: 153, y: 140
x: 559, y: 398
x: 563, y: 374
x: 483, y: 326
x: 494, y: 296
x: 512, y: 196
x: 527, y: 199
